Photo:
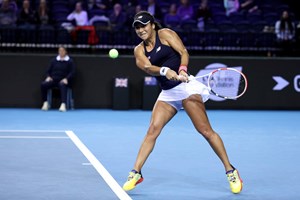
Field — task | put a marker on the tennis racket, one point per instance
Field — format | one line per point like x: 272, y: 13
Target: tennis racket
x: 227, y: 83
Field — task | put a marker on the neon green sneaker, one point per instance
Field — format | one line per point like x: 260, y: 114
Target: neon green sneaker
x: 134, y: 178
x: 235, y: 181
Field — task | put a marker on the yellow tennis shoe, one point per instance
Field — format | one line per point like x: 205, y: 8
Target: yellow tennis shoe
x: 133, y: 179
x: 235, y: 181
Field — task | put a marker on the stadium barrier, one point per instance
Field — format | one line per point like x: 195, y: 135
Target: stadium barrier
x: 274, y: 83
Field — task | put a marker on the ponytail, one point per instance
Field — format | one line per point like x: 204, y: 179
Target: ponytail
x: 157, y: 25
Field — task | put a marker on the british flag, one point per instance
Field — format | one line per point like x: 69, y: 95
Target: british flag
x: 121, y: 82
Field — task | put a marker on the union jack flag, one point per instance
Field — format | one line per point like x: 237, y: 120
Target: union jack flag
x: 121, y: 82
x: 149, y: 80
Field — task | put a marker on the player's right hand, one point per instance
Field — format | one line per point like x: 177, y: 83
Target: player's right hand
x: 172, y: 75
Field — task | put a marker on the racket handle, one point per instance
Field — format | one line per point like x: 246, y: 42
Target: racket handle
x: 182, y: 78
x: 190, y: 77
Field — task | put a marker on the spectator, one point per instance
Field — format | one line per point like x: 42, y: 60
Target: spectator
x: 203, y: 14
x: 26, y: 18
x: 78, y: 15
x: 97, y: 5
x: 231, y: 6
x: 13, y: 5
x: 203, y: 11
x: 285, y: 30
x: 111, y: 3
x: 103, y: 5
x: 59, y: 74
x: 138, y: 8
x: 118, y: 18
x: 42, y: 14
x: 8, y: 15
x: 26, y: 23
x: 171, y: 19
x: 154, y: 10
x: 81, y: 20
x: 133, y: 7
x: 185, y: 10
x: 129, y: 7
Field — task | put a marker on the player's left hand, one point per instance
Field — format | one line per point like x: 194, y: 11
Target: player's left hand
x: 183, y: 76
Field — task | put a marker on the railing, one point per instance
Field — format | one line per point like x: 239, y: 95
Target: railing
x: 51, y: 38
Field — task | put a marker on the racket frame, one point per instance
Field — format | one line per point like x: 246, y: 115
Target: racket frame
x: 220, y: 69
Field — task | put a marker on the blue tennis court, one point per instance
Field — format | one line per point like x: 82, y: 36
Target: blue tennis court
x: 87, y: 154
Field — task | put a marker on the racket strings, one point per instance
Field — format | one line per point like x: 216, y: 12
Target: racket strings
x: 227, y: 83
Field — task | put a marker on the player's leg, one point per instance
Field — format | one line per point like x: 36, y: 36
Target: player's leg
x: 162, y: 113
x: 195, y: 108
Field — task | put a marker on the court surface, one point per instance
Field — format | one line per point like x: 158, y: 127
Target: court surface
x: 87, y: 154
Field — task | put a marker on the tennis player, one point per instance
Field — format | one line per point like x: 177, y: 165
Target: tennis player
x: 163, y: 55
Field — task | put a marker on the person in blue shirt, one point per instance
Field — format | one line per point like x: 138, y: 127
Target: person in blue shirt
x: 60, y: 74
x: 163, y: 55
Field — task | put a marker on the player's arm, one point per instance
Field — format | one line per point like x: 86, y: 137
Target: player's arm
x: 144, y: 64
x: 170, y: 37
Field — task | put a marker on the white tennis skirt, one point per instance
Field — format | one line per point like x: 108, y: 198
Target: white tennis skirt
x: 174, y: 96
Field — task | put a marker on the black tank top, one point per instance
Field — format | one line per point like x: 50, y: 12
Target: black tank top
x: 164, y: 56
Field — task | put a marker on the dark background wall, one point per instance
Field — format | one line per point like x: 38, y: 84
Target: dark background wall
x: 21, y: 75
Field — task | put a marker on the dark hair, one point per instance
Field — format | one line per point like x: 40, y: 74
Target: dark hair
x: 157, y: 25
x: 283, y: 22
x: 145, y: 17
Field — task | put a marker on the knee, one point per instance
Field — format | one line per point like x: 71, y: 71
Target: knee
x: 153, y: 131
x: 206, y: 132
x: 62, y: 85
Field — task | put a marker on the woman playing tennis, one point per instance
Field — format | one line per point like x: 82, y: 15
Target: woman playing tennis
x: 163, y: 55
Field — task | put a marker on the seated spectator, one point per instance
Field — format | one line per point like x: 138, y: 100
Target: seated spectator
x: 26, y: 17
x: 185, y: 10
x: 203, y: 14
x: 13, y: 5
x: 118, y: 18
x: 60, y: 74
x: 111, y: 3
x: 8, y: 15
x: 131, y: 13
x: 129, y: 7
x: 138, y: 8
x: 154, y: 9
x: 42, y: 14
x: 285, y: 30
x: 104, y: 5
x: 171, y: 19
x: 203, y: 11
x: 78, y: 15
x: 97, y: 5
x: 231, y: 6
x: 81, y: 23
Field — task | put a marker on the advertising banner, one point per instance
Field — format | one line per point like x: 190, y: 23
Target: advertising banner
x: 272, y: 83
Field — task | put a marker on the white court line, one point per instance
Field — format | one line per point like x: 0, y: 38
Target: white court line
x: 31, y: 137
x: 112, y: 183
x: 33, y: 131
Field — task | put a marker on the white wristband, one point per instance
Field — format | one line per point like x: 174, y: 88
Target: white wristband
x: 163, y: 71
